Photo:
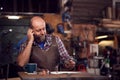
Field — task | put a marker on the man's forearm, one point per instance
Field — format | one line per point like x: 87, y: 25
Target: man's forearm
x: 24, y: 56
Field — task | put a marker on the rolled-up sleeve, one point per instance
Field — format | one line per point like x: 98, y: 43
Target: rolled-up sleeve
x: 62, y: 50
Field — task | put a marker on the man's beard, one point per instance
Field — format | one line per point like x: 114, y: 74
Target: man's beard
x: 40, y: 38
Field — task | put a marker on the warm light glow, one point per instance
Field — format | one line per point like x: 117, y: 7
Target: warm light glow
x: 13, y: 17
x: 106, y: 43
x: 101, y: 37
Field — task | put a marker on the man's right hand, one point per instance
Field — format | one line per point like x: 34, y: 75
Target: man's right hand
x: 30, y: 35
x: 24, y: 54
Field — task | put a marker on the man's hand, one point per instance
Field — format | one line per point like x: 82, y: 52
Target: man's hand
x: 30, y: 35
x: 43, y: 72
x: 69, y: 64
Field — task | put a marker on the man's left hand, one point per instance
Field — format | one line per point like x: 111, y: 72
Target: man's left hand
x: 70, y: 64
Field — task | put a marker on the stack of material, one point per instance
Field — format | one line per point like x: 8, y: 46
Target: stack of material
x: 110, y: 23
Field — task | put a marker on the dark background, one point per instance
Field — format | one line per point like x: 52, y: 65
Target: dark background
x: 39, y: 6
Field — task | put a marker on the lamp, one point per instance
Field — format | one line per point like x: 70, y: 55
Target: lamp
x: 13, y: 17
x: 101, y: 37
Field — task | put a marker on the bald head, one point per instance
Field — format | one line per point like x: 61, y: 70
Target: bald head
x: 36, y: 21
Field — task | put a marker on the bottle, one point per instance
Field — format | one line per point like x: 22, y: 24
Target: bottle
x: 107, y: 65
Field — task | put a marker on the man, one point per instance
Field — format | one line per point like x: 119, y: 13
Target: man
x: 44, y: 49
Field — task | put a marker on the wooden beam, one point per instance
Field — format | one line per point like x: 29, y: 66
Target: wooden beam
x: 108, y: 25
x: 110, y: 21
